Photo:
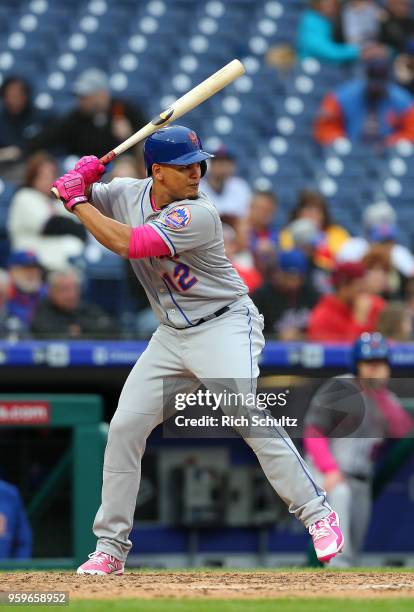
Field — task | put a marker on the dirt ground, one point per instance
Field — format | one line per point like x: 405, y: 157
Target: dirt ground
x: 217, y: 584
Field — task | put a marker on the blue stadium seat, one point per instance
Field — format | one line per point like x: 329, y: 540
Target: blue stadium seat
x: 107, y: 282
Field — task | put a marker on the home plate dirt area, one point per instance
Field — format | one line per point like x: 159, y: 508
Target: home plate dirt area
x: 219, y: 584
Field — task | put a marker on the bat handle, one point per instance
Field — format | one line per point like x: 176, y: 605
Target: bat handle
x: 106, y: 159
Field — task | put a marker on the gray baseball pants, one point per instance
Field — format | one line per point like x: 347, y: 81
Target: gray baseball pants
x: 227, y: 347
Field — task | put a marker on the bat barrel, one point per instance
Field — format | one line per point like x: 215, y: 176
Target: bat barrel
x: 210, y: 86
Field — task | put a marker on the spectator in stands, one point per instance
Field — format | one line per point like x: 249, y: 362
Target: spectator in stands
x: 4, y: 295
x: 258, y: 232
x: 125, y: 167
x: 15, y: 531
x: 286, y: 298
x: 312, y: 205
x: 397, y: 27
x: 62, y: 314
x: 395, y: 322
x: 409, y: 297
x: 231, y: 194
x: 349, y: 311
x: 19, y: 122
x: 404, y: 68
x: 379, y: 277
x: 360, y: 21
x: 27, y: 289
x: 243, y: 263
x: 380, y: 227
x: 371, y: 110
x: 316, y: 35
x: 282, y: 57
x: 262, y: 218
x: 97, y: 125
x: 306, y: 236
x: 36, y: 221
x: 343, y: 459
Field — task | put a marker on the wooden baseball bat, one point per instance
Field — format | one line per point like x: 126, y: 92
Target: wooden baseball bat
x: 207, y: 88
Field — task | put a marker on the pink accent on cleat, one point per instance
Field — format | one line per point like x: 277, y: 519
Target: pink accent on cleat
x: 101, y: 564
x: 327, y: 537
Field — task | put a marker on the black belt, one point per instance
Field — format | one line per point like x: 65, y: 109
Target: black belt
x: 216, y: 314
x: 360, y: 477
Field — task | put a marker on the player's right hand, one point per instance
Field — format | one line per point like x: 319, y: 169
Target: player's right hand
x: 71, y: 188
x: 91, y: 168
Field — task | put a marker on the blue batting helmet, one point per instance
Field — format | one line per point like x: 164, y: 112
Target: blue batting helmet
x: 370, y: 347
x: 176, y: 145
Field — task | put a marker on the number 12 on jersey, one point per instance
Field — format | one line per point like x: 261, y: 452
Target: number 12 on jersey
x: 182, y: 279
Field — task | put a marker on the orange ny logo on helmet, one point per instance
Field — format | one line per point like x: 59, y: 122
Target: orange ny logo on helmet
x: 192, y: 136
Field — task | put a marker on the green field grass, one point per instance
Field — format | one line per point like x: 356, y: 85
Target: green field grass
x: 270, y: 605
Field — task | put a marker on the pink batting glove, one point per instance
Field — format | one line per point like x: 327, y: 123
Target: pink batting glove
x: 71, y: 188
x: 91, y: 168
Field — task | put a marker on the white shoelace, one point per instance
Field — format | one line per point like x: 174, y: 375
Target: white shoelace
x: 321, y: 531
x: 100, y: 557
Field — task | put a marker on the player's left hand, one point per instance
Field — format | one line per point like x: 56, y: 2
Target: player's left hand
x: 91, y: 168
x: 71, y: 188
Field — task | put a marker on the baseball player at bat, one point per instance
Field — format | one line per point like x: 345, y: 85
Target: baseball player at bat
x: 209, y: 330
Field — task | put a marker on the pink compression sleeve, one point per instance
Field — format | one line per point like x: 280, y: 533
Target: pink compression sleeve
x: 145, y: 242
x: 317, y: 447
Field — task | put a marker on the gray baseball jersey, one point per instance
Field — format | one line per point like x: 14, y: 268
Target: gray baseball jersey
x: 197, y: 279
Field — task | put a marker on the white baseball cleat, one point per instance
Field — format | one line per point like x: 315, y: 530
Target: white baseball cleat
x: 101, y: 564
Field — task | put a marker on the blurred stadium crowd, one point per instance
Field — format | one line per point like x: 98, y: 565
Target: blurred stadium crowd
x: 312, y: 176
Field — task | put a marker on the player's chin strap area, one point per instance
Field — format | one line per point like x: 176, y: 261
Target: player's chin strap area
x: 218, y: 313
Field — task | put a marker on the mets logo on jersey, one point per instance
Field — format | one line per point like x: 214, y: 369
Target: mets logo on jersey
x: 178, y: 218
